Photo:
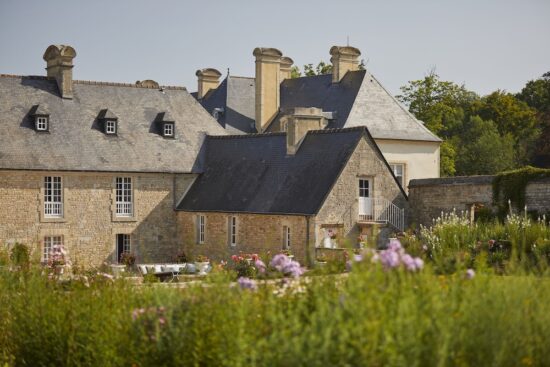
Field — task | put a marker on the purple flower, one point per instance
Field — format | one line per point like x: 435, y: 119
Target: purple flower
x: 470, y: 273
x: 419, y: 263
x: 394, y: 245
x: 293, y: 268
x: 357, y: 257
x: 247, y: 283
x: 348, y: 265
x: 389, y: 258
x: 280, y: 261
x: 409, y: 262
x: 259, y: 264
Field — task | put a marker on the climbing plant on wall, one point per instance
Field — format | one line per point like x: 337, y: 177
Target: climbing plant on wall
x: 511, y: 185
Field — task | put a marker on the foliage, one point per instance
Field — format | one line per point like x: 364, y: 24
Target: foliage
x: 20, y: 255
x: 127, y: 258
x: 4, y: 256
x: 371, y: 317
x: 181, y: 257
x: 511, y: 185
x: 202, y: 259
x: 448, y: 157
x: 320, y: 69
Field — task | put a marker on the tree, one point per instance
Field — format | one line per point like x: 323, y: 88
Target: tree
x: 321, y: 69
x: 447, y: 153
x: 295, y: 72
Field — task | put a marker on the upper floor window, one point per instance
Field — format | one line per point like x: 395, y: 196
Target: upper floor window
x: 41, y: 123
x: 124, y: 197
x: 399, y: 172
x: 201, y: 228
x: 49, y: 243
x: 53, y: 197
x: 286, y: 238
x: 168, y: 129
x: 110, y: 127
x: 233, y: 231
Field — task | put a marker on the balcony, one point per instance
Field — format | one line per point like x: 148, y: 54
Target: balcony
x: 381, y: 211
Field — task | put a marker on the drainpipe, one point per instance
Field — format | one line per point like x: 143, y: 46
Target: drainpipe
x: 308, y: 249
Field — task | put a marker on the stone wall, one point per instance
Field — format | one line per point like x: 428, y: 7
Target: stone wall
x: 341, y: 206
x: 88, y: 226
x: 428, y: 198
x: 256, y: 233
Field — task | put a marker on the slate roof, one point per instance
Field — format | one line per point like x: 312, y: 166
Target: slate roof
x: 76, y: 142
x: 253, y: 173
x: 235, y: 95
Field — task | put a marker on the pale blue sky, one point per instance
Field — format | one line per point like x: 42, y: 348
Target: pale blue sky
x: 485, y: 44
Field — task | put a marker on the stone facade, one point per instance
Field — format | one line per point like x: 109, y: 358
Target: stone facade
x: 89, y: 226
x: 428, y: 198
x: 260, y: 233
x: 256, y: 233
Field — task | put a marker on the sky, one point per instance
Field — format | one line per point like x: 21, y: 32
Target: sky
x: 485, y: 44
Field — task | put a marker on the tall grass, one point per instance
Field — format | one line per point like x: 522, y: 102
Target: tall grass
x: 372, y: 317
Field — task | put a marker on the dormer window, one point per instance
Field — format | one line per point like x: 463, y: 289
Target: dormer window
x: 41, y: 117
x: 41, y: 123
x: 110, y: 122
x: 168, y: 129
x: 166, y: 125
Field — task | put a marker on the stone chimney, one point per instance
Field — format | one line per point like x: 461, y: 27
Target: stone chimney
x: 344, y: 59
x: 268, y: 78
x: 59, y: 65
x: 207, y: 79
x: 300, y: 120
x: 286, y: 67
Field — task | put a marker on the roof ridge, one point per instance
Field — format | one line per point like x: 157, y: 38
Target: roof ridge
x: 338, y: 130
x: 245, y: 136
x: 242, y: 77
x: 92, y: 82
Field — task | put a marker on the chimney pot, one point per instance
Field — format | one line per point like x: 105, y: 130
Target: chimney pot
x: 59, y: 65
x: 286, y: 67
x: 207, y: 79
x: 344, y: 59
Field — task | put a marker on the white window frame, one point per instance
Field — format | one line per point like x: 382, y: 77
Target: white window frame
x: 233, y: 231
x: 49, y: 243
x: 401, y: 177
x: 287, y: 239
x: 168, y: 129
x: 124, y: 197
x: 110, y: 127
x: 42, y: 123
x: 53, y: 197
x: 201, y: 228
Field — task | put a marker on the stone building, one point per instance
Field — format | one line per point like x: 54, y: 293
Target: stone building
x: 276, y: 191
x: 347, y: 97
x: 95, y: 166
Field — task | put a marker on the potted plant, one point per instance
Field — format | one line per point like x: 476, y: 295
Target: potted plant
x: 58, y: 259
x: 202, y: 262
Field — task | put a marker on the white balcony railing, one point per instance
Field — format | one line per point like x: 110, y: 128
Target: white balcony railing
x: 53, y: 209
x: 381, y: 210
x: 124, y: 209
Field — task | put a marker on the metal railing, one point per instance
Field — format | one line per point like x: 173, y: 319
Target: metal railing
x: 383, y: 211
x: 53, y: 209
x: 124, y: 209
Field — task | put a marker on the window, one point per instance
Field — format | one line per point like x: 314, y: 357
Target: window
x: 168, y: 129
x: 201, y: 228
x: 399, y: 172
x: 124, y: 197
x: 41, y: 123
x: 110, y: 127
x: 364, y: 188
x: 286, y: 238
x: 122, y: 245
x: 49, y: 243
x: 233, y: 231
x: 53, y: 197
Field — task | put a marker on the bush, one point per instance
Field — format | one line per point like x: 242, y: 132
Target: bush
x: 20, y: 255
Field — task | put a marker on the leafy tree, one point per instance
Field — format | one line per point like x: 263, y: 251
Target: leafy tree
x: 536, y: 94
x: 447, y: 153
x: 295, y: 72
x: 321, y: 69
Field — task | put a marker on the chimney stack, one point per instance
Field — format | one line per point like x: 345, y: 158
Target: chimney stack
x: 286, y: 67
x: 300, y: 121
x: 207, y: 79
x: 268, y: 78
x: 344, y: 59
x: 59, y: 65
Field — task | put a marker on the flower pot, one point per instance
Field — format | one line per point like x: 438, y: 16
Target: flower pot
x: 202, y: 267
x: 118, y: 269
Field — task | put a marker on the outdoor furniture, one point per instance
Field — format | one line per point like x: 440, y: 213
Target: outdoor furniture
x: 163, y: 271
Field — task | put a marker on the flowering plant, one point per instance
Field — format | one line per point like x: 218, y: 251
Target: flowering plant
x: 202, y: 259
x: 395, y: 256
x: 243, y: 265
x: 286, y: 252
x: 332, y: 234
x: 127, y: 258
x: 58, y: 256
x: 287, y: 266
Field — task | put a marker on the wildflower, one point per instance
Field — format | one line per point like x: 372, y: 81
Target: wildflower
x: 419, y: 263
x: 470, y: 273
x: 409, y: 262
x: 389, y: 258
x: 280, y: 261
x: 260, y: 265
x: 358, y: 257
x: 247, y: 283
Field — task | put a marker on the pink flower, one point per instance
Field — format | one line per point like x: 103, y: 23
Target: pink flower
x: 470, y: 274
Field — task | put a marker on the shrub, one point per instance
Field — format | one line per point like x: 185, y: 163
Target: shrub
x: 20, y: 255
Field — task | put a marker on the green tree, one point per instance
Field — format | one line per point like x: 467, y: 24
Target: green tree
x: 447, y: 153
x: 321, y: 69
x: 295, y: 72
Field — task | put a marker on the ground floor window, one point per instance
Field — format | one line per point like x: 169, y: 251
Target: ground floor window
x: 201, y: 228
x: 123, y: 245
x: 49, y: 243
x: 286, y: 238
x: 233, y: 231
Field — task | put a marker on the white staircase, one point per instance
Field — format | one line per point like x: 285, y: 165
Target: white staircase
x: 380, y: 210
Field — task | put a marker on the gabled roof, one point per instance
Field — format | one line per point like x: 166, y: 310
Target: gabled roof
x: 76, y: 142
x: 235, y: 95
x: 253, y: 173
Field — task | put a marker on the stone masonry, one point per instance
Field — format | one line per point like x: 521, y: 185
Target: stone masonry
x: 89, y: 226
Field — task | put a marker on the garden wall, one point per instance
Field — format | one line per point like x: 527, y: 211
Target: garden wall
x: 429, y: 197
